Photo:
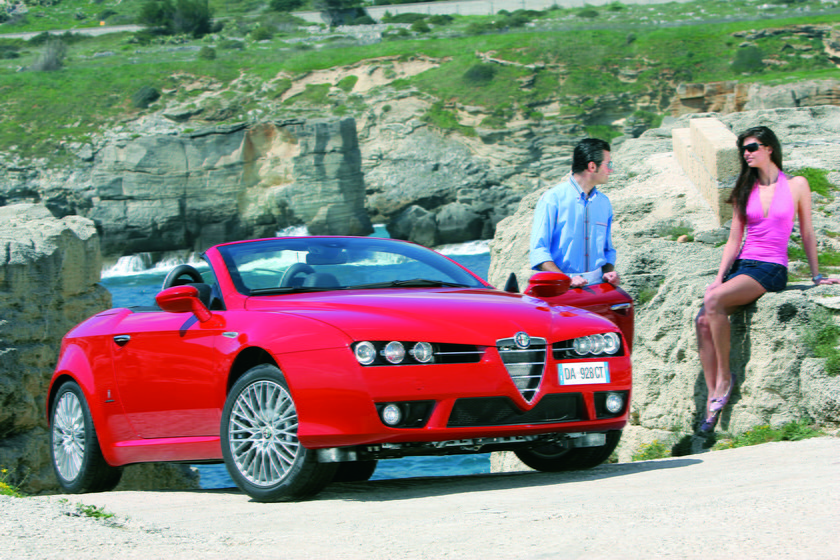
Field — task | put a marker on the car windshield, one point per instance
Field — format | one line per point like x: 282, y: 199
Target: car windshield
x: 300, y: 264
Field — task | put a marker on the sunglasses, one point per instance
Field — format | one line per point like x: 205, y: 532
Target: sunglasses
x: 752, y: 147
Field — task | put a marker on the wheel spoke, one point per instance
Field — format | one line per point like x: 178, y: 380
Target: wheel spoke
x: 68, y: 428
x: 263, y: 433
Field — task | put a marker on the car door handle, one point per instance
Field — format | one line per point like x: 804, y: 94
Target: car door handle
x: 122, y: 339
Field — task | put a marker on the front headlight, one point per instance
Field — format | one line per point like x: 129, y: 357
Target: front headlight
x: 422, y: 352
x: 612, y: 342
x: 601, y: 344
x: 365, y: 353
x: 582, y: 345
x: 394, y: 352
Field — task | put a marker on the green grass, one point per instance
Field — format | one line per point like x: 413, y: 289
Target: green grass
x: 822, y: 336
x: 794, y: 431
x: 7, y: 488
x: 40, y: 111
x: 818, y: 181
x: 94, y: 512
x: 646, y: 294
x: 675, y: 232
x: 651, y: 451
x: 446, y: 120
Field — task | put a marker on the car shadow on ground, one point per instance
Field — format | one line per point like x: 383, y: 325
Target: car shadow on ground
x: 425, y: 487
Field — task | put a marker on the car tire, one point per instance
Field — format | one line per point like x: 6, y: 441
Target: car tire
x: 355, y: 471
x: 74, y: 448
x: 555, y: 458
x: 260, y: 441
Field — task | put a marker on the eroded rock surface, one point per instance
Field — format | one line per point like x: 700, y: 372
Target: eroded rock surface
x: 49, y: 269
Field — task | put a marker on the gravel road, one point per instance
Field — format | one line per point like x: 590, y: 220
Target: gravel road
x: 778, y: 500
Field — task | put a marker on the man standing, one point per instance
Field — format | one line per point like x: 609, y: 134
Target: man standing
x: 573, y: 221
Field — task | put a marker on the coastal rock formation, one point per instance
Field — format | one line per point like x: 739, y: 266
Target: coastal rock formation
x: 49, y: 269
x: 734, y: 96
x: 778, y: 378
x: 167, y: 192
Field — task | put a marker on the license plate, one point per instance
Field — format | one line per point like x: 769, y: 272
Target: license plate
x: 583, y: 373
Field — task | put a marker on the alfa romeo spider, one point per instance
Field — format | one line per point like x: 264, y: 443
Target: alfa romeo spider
x: 303, y: 361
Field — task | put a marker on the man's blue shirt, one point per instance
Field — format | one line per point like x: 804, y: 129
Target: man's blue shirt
x: 572, y: 229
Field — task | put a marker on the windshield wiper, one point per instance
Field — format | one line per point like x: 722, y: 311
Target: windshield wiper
x: 290, y: 290
x: 413, y: 283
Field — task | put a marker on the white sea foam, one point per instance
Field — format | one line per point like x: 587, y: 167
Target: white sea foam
x: 141, y: 263
x: 469, y: 248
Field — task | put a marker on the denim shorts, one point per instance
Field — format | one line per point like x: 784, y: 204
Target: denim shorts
x: 772, y: 276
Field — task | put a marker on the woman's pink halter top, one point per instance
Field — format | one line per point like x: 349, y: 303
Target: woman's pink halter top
x: 767, y: 237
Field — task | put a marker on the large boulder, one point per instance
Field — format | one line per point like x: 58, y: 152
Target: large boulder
x: 49, y: 269
x: 779, y: 380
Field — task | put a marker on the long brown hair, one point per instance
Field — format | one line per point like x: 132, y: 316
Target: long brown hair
x: 749, y: 175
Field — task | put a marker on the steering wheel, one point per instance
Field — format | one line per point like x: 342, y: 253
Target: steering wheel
x: 295, y: 270
x: 181, y: 270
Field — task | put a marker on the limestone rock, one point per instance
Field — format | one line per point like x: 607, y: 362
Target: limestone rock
x: 168, y: 192
x: 49, y: 269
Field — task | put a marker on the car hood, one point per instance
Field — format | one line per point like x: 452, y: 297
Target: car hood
x: 464, y: 316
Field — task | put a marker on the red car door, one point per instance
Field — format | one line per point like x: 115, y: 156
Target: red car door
x: 166, y: 374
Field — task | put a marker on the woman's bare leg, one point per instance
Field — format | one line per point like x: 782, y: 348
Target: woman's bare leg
x: 708, y: 356
x: 718, y: 304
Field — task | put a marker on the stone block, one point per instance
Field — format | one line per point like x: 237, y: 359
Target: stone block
x: 707, y: 152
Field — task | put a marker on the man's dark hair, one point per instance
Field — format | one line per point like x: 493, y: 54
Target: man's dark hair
x: 589, y: 149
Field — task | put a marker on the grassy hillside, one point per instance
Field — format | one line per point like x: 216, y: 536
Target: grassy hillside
x: 563, y: 56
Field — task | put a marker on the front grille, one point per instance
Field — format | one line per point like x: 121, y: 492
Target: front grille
x: 500, y: 411
x: 524, y: 365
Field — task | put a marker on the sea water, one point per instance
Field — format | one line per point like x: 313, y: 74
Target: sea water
x: 134, y: 280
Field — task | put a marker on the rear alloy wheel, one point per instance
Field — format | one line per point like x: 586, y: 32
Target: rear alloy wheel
x: 556, y: 458
x: 260, y: 441
x: 76, y: 457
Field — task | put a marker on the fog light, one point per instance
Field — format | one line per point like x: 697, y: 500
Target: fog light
x: 394, y: 352
x: 582, y: 345
x: 615, y: 403
x: 391, y: 414
x: 612, y: 342
x: 422, y: 352
x: 365, y: 353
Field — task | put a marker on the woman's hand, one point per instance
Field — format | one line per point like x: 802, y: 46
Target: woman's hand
x: 827, y: 281
x: 713, y: 285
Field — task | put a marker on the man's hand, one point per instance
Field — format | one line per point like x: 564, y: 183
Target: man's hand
x: 578, y: 281
x: 611, y: 277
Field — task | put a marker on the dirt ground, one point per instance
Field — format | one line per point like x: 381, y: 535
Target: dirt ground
x: 778, y: 500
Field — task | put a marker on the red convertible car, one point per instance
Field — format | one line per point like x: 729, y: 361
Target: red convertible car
x: 302, y: 361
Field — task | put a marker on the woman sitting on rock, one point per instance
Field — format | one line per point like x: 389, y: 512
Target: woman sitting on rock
x: 764, y: 203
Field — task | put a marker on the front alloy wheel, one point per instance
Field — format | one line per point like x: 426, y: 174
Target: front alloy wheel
x: 260, y: 443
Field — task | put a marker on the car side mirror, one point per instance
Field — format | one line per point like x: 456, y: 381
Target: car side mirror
x: 548, y: 284
x: 183, y: 299
x: 512, y: 284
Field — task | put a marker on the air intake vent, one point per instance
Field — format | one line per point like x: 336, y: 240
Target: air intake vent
x: 524, y: 365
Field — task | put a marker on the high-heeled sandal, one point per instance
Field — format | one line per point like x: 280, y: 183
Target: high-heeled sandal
x: 710, y: 422
x: 718, y: 404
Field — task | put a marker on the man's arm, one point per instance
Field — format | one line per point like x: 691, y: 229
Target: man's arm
x: 541, y: 232
x: 609, y: 273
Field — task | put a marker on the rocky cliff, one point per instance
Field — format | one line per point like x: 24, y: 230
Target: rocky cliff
x: 49, y: 269
x: 779, y: 380
x: 166, y: 191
